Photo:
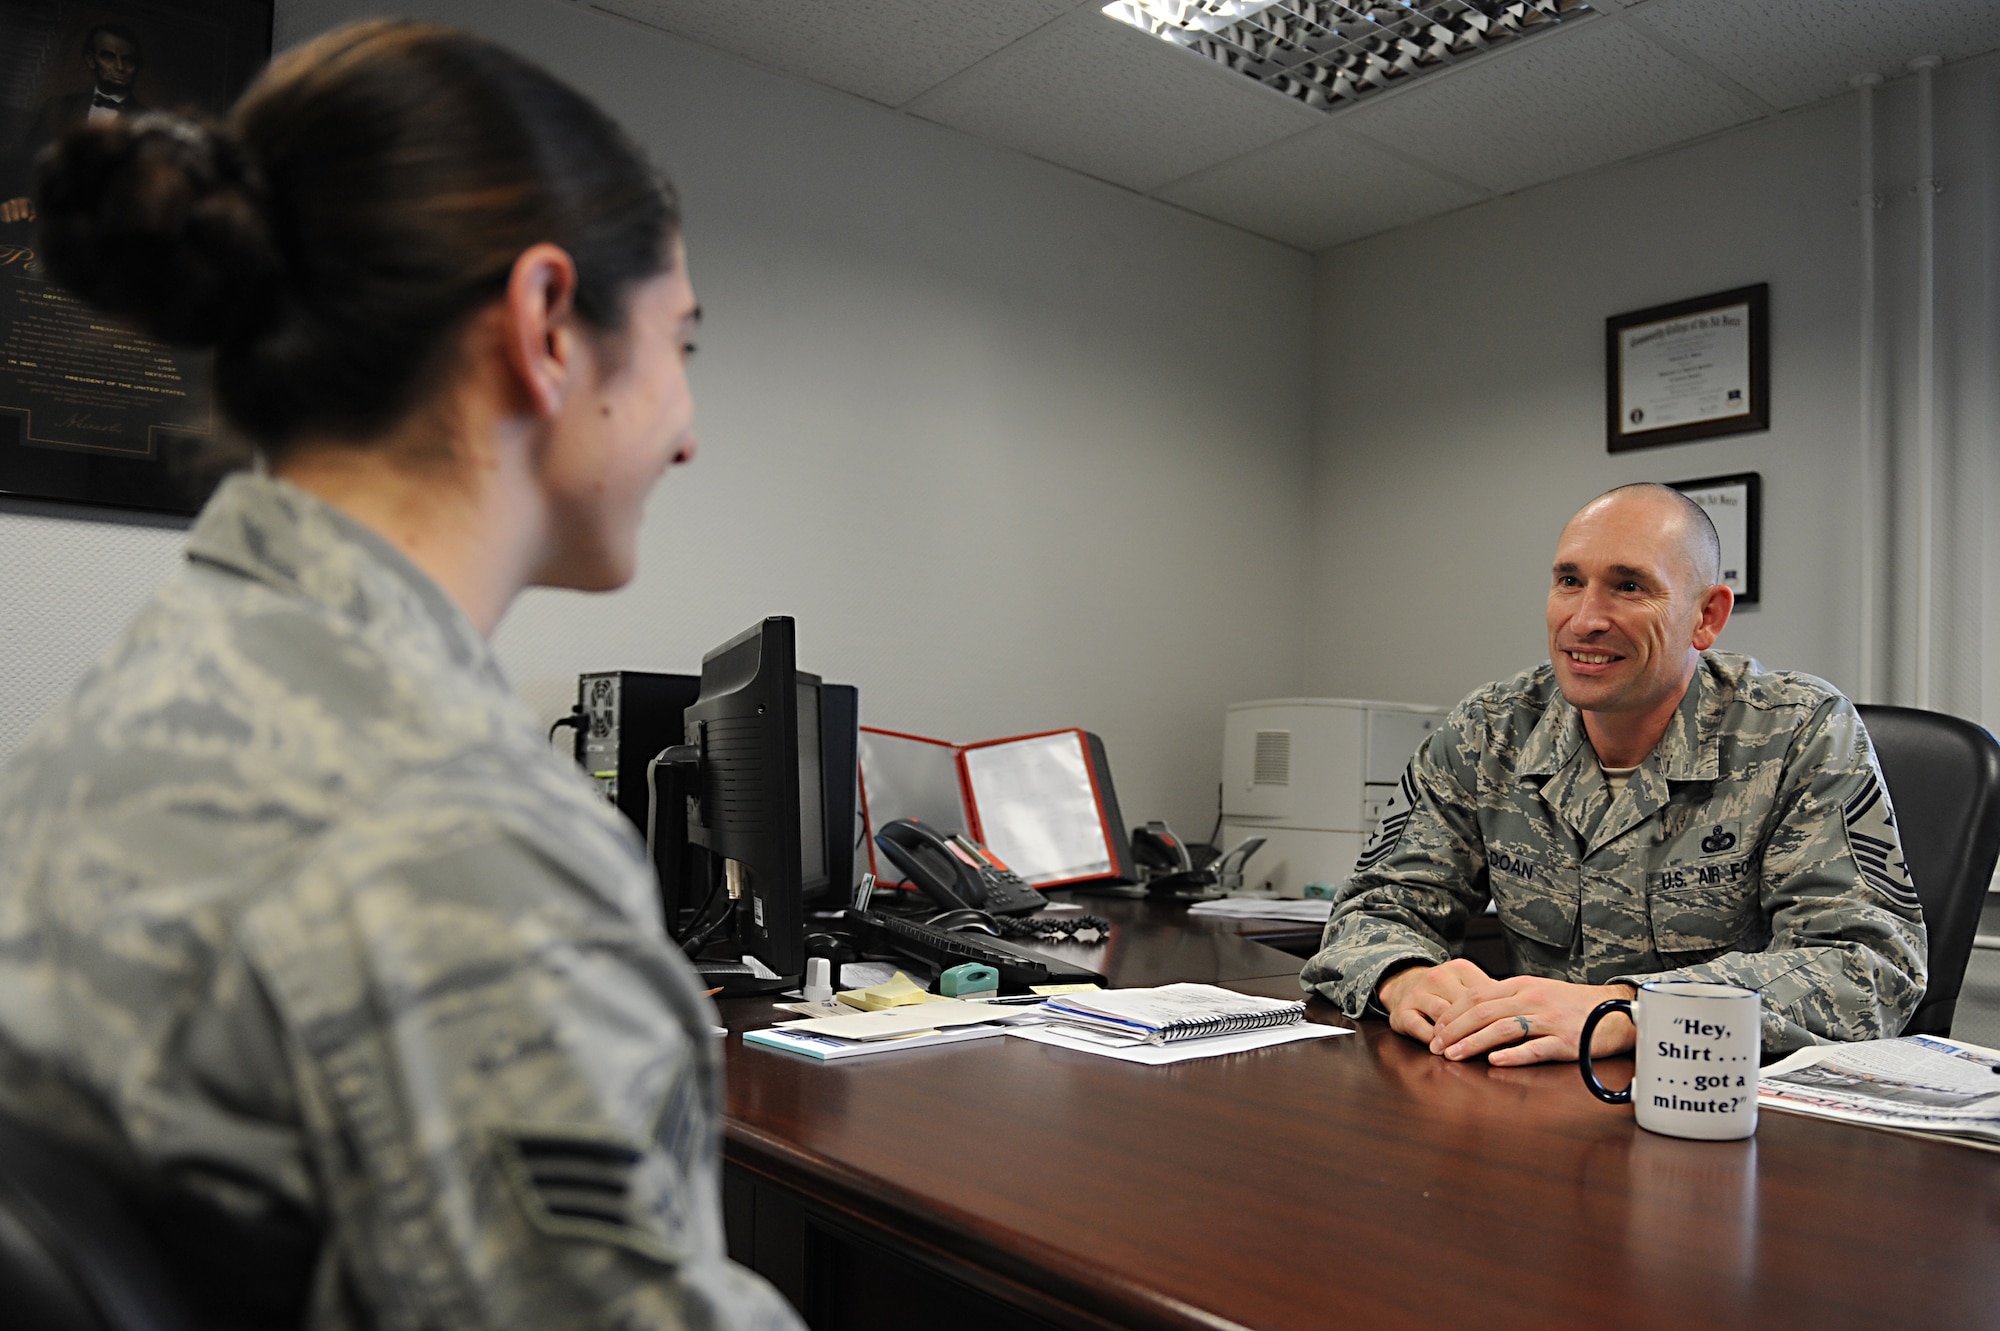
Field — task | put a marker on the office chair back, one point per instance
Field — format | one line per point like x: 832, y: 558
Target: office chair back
x: 1943, y: 775
x: 73, y: 1256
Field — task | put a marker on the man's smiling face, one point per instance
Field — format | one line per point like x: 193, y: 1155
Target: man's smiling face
x: 1625, y: 605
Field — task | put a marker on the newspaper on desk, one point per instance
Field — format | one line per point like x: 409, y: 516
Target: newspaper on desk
x: 1312, y: 910
x: 1917, y: 1083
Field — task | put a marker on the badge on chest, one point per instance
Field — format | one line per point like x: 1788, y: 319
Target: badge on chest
x: 1703, y: 896
x: 1706, y: 854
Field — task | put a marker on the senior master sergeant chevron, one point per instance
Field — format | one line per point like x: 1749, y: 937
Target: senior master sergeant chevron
x: 1640, y: 807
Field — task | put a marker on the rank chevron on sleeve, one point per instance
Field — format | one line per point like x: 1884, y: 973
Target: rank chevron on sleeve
x: 1891, y: 876
x: 1394, y: 818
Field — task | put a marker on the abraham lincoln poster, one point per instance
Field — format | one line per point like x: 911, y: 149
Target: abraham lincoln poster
x: 92, y: 411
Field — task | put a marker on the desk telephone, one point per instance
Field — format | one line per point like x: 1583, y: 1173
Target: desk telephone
x: 954, y: 872
x: 1167, y: 866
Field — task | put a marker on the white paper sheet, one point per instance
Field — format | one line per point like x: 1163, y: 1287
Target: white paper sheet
x: 1686, y: 369
x: 1037, y: 809
x: 1313, y: 910
x: 826, y: 1047
x: 866, y: 974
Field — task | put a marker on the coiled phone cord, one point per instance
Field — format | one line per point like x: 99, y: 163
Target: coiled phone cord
x: 1055, y: 929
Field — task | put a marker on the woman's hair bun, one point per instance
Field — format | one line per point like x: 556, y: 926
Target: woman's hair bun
x: 163, y: 219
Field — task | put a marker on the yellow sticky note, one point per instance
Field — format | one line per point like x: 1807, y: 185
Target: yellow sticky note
x: 1051, y: 990
x: 897, y: 991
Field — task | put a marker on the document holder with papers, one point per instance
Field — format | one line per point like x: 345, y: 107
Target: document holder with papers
x: 1042, y: 803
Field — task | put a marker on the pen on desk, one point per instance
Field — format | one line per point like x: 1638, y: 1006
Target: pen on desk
x: 713, y: 992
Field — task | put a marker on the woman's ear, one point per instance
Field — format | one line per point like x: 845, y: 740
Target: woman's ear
x: 541, y: 336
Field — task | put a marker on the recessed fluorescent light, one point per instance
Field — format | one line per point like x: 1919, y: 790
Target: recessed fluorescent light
x: 1326, y: 53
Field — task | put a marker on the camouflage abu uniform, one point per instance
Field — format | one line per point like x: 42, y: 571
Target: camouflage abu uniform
x: 1754, y: 846
x: 301, y: 919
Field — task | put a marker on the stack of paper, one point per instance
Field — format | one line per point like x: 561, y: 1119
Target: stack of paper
x: 1171, y: 1023
x: 1173, y: 1012
x: 1313, y: 910
x: 1071, y: 1038
x: 941, y: 1021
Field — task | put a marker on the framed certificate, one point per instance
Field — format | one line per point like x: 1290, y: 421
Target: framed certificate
x: 1691, y: 370
x: 91, y: 410
x: 1735, y: 505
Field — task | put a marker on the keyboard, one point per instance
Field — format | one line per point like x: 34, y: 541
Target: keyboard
x: 940, y: 949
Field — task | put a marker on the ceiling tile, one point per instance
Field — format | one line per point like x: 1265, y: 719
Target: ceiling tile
x: 1318, y: 190
x: 1795, y: 52
x: 885, y: 50
x: 1112, y: 102
x: 1571, y: 100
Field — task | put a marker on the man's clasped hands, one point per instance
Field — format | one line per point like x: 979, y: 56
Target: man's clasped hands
x: 1461, y: 1012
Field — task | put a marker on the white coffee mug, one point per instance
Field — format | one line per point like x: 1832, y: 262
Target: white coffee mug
x: 1695, y: 1073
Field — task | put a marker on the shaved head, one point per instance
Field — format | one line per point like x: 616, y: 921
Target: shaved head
x: 1698, y: 544
x: 1633, y: 602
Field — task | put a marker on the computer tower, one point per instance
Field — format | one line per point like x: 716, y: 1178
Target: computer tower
x: 628, y: 717
x: 840, y: 735
x: 631, y: 715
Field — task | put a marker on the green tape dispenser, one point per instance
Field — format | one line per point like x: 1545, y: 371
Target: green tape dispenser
x: 970, y: 980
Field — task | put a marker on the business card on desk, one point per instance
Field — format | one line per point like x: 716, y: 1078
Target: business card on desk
x: 832, y: 1007
x: 826, y: 1047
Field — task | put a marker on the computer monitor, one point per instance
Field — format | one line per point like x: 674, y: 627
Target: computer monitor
x: 753, y: 784
x: 625, y: 718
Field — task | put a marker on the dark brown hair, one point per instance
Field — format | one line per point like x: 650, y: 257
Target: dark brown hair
x: 118, y: 30
x: 369, y: 192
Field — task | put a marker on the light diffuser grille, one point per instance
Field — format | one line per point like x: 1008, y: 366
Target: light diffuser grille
x: 1327, y: 53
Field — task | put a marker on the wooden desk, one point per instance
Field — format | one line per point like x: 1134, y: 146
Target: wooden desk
x: 1356, y: 1181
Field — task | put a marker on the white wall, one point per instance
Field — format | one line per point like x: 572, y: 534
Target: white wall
x: 1018, y: 449
x: 68, y: 581
x: 1460, y: 399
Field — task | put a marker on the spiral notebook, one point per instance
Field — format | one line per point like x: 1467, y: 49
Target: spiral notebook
x: 1171, y: 1012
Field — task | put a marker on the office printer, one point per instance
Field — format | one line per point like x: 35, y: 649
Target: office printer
x: 1312, y: 776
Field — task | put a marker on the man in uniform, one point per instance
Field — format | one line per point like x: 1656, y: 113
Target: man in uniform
x: 111, y: 54
x: 1638, y: 808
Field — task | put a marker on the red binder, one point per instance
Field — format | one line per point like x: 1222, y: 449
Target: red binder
x: 1042, y: 803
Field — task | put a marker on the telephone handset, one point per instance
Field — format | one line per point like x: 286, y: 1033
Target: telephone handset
x: 954, y: 872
